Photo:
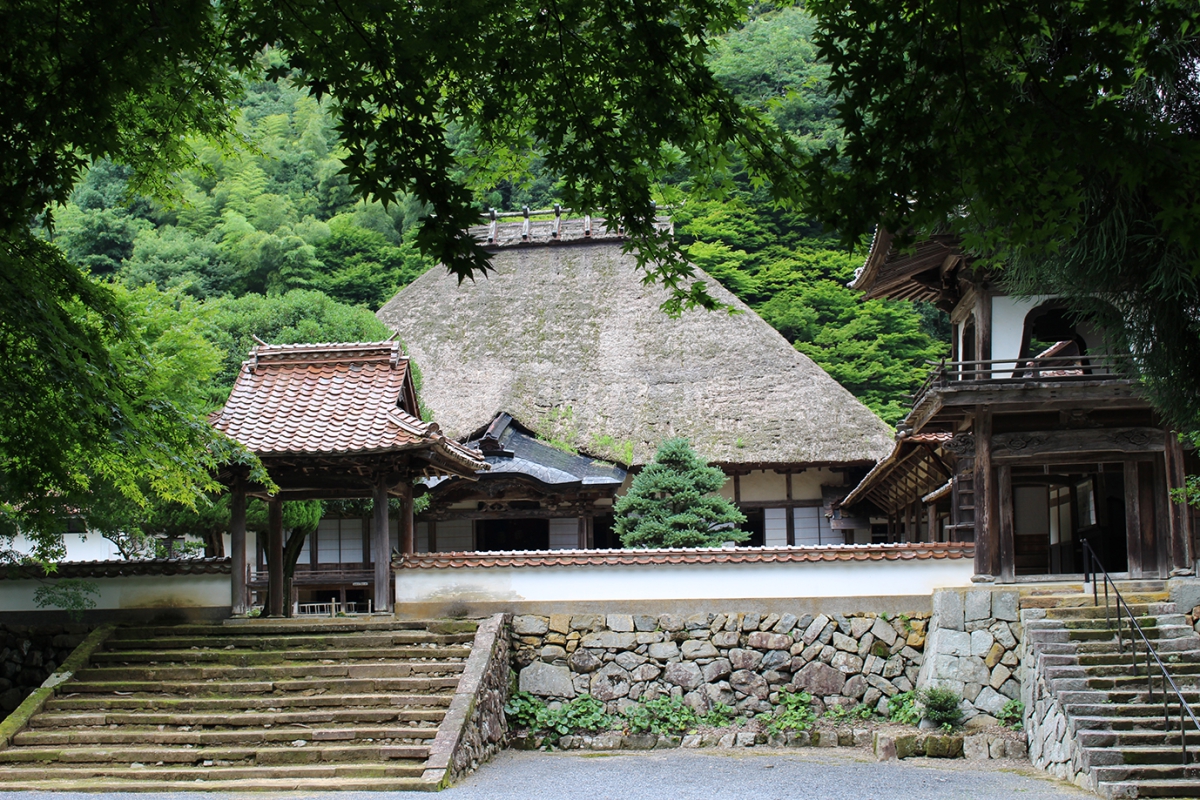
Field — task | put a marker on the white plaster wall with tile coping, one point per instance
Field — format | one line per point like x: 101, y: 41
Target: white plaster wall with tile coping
x: 131, y: 591
x: 602, y: 582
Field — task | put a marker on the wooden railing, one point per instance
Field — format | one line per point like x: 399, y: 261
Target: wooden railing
x: 1094, y: 571
x: 946, y: 374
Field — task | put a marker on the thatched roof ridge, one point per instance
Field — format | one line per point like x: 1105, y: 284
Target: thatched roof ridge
x: 569, y: 341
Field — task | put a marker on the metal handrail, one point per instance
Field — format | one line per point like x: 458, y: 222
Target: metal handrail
x: 1092, y: 568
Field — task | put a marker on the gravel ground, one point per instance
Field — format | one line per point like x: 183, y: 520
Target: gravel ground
x: 710, y: 775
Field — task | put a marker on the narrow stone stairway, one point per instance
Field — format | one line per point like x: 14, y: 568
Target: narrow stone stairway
x: 254, y: 705
x: 1121, y: 740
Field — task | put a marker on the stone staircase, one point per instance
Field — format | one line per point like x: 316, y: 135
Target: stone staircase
x: 1121, y: 746
x: 254, y: 705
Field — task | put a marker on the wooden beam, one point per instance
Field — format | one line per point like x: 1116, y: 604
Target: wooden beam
x: 986, y: 531
x: 275, y: 557
x: 381, y: 547
x: 1082, y: 444
x: 1178, y: 519
x: 1147, y: 522
x: 1133, y: 519
x: 237, y: 547
x: 1007, y: 536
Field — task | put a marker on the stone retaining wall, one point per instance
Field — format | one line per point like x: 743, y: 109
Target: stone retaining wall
x: 740, y: 659
x: 28, y: 655
x: 973, y: 648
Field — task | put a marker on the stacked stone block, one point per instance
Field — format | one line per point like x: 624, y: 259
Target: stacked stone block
x: 972, y: 648
x: 28, y: 655
x: 740, y: 659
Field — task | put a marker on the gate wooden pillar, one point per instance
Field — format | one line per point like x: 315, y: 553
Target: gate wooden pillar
x: 275, y: 555
x: 237, y: 547
x: 381, y: 547
x: 986, y: 524
x: 1178, y: 519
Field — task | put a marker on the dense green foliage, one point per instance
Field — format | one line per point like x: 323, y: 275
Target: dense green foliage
x: 673, y: 503
x: 1060, y: 140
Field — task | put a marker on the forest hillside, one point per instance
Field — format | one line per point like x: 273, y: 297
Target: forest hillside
x: 267, y: 237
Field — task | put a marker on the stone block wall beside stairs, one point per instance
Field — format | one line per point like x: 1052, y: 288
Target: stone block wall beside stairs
x: 1088, y: 718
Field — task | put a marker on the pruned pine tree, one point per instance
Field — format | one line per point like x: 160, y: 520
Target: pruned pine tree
x: 673, y: 503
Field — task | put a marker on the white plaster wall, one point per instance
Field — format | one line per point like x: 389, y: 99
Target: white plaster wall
x: 682, y: 581
x: 807, y: 485
x: 133, y: 591
x: 1008, y: 324
x: 764, y: 485
x: 79, y: 547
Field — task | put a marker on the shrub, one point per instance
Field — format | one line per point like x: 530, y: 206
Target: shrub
x: 720, y: 716
x: 794, y: 713
x: 584, y: 713
x: 663, y: 715
x: 841, y: 713
x: 941, y: 707
x: 902, y: 708
x: 1012, y: 715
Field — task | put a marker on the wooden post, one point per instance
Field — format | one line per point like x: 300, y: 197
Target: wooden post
x: 1008, y: 559
x: 985, y: 544
x: 983, y: 326
x: 790, y: 511
x: 275, y: 555
x: 1147, y: 521
x: 581, y: 534
x: 237, y: 548
x: 381, y: 547
x: 431, y: 545
x: 1133, y: 519
x: 1177, y: 511
x: 931, y: 521
x: 407, y: 539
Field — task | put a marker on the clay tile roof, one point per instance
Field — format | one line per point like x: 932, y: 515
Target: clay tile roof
x: 330, y: 399
x: 120, y: 568
x: 713, y: 555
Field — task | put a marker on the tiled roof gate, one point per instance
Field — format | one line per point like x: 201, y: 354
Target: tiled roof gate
x: 331, y: 421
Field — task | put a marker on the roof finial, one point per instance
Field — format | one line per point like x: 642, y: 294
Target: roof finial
x: 260, y: 341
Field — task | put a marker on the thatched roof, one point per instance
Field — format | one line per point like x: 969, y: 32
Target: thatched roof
x: 566, y: 338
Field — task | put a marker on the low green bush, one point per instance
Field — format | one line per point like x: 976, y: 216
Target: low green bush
x: 794, y: 713
x: 662, y: 715
x: 584, y: 713
x: 902, y: 708
x: 1012, y: 715
x: 942, y: 707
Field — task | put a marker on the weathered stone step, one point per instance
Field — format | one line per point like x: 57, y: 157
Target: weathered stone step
x: 136, y: 734
x: 1153, y: 633
x: 226, y: 688
x: 450, y: 662
x: 1145, y: 622
x: 140, y: 753
x: 1139, y: 755
x: 1139, y: 738
x: 273, y: 643
x: 1123, y: 717
x: 1118, y: 669
x: 1117, y: 699
x: 1127, y: 682
x: 215, y: 784
x: 100, y: 703
x: 69, y: 719
x: 1161, y: 788
x: 1097, y: 613
x: 1147, y: 772
x: 215, y: 771
x: 1190, y: 656
x: 1083, y: 600
x: 263, y: 628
